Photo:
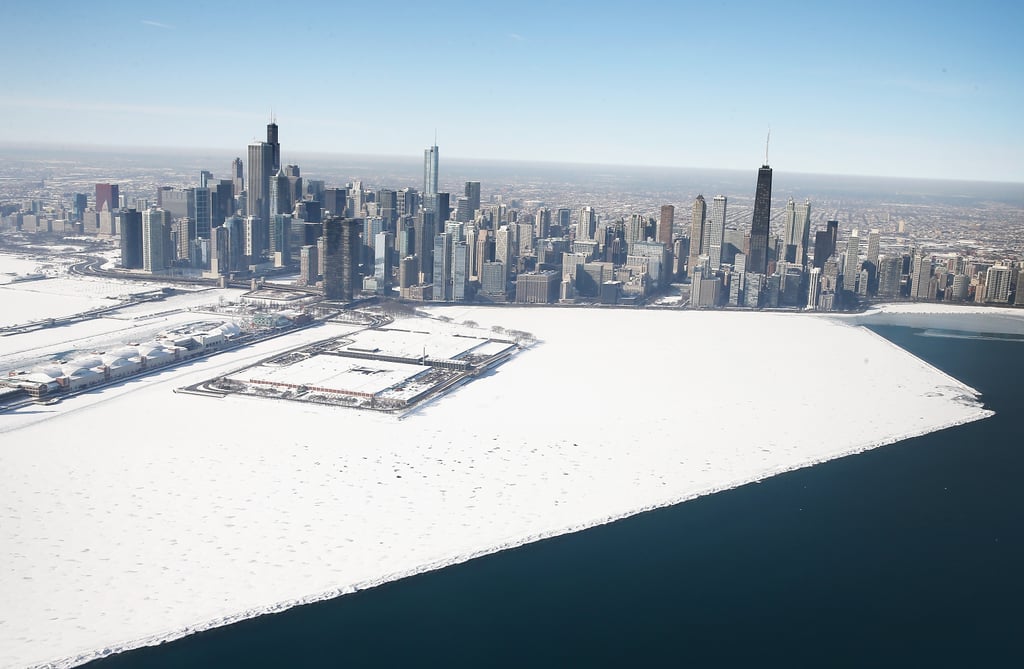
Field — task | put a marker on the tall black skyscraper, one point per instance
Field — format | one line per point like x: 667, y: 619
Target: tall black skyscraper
x: 833, y: 235
x: 825, y: 243
x: 131, y: 239
x: 261, y: 168
x: 472, y: 191
x: 274, y: 145
x: 757, y: 261
x: 341, y: 257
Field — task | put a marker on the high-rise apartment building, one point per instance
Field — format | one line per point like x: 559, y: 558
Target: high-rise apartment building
x: 665, y: 224
x: 442, y: 275
x: 460, y: 270
x: 851, y: 269
x: 156, y: 232
x: 997, y: 284
x: 698, y: 219
x: 341, y: 257
x: 131, y: 239
x: 889, y: 271
x: 921, y: 276
x: 308, y: 265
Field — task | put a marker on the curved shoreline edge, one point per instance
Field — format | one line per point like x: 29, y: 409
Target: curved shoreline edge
x: 278, y: 607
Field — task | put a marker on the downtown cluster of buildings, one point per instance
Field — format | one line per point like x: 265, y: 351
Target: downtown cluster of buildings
x: 430, y: 246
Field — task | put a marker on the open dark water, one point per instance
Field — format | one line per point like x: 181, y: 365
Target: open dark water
x: 910, y: 555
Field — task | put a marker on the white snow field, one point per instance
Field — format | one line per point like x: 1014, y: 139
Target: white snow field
x: 135, y: 514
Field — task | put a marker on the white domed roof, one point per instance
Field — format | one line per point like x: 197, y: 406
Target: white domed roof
x: 85, y: 361
x: 228, y: 329
x: 148, y: 347
x: 51, y: 370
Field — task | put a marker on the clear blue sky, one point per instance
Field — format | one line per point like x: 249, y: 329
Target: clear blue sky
x: 930, y: 89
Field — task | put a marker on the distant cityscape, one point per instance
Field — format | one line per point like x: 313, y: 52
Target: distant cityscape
x: 268, y: 225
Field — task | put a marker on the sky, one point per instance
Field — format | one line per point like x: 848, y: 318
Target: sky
x: 911, y: 89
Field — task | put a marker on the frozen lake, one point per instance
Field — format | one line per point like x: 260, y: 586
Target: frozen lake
x: 136, y: 514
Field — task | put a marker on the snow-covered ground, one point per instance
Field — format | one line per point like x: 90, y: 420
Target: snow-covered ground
x: 56, y: 297
x: 136, y: 514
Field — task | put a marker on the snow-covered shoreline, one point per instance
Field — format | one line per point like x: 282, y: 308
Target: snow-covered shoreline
x: 137, y: 515
x: 171, y: 635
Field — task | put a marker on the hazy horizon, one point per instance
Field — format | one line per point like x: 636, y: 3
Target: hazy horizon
x: 414, y: 162
x: 888, y: 89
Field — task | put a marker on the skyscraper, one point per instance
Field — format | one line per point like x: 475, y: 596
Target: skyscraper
x: 443, y: 243
x: 760, y: 225
x: 155, y: 237
x: 997, y: 284
x: 430, y: 170
x: 279, y: 194
x: 462, y: 210
x: 665, y: 223
x: 423, y: 243
x: 851, y: 270
x: 202, y: 211
x: 236, y: 177
x: 699, y: 216
x: 131, y: 239
x: 106, y: 196
x: 586, y: 226
x: 562, y: 217
x: 334, y: 201
x: 921, y: 276
x: 261, y: 168
x: 472, y: 192
x: 275, y: 146
x: 81, y: 203
x: 714, y: 232
x: 460, y: 270
x: 341, y: 257
x: 796, y: 233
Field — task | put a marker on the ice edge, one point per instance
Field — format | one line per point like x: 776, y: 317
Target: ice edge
x: 278, y: 607
x: 157, y: 639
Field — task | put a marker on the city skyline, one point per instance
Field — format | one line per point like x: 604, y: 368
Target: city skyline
x: 882, y: 91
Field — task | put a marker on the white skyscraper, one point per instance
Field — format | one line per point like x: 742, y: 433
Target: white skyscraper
x: 587, y: 225
x: 714, y: 232
x: 797, y: 230
x: 430, y: 170
x: 155, y: 235
x: 922, y: 274
x: 997, y: 284
x: 851, y: 270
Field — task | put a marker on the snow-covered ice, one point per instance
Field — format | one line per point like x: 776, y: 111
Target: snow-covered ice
x: 135, y: 514
x: 942, y: 316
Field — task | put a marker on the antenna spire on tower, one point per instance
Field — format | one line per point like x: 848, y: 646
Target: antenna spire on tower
x: 766, y: 142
